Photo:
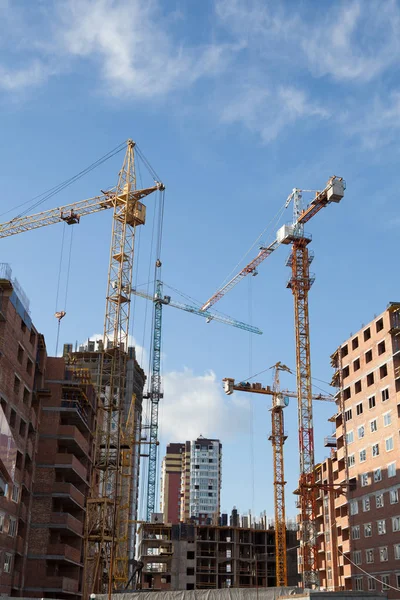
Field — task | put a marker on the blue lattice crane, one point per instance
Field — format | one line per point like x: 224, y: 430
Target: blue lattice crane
x: 155, y: 392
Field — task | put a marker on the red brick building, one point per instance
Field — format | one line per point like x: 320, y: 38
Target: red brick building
x: 171, y: 473
x: 21, y: 366
x: 63, y: 469
x: 47, y: 419
x: 359, y: 530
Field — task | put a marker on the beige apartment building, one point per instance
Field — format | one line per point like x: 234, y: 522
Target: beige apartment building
x: 358, y: 496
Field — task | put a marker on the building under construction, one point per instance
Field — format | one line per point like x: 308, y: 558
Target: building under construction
x: 358, y: 516
x: 195, y: 557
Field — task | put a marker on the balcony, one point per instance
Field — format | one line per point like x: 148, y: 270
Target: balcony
x: 66, y: 521
x: 77, y: 471
x: 63, y: 552
x: 60, y: 584
x: 69, y: 492
x: 73, y: 439
x: 23, y: 512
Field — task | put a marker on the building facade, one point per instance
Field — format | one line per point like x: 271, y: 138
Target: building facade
x: 21, y: 370
x: 88, y: 356
x: 196, y: 557
x: 196, y: 467
x: 358, y: 501
x: 171, y: 475
x: 63, y: 472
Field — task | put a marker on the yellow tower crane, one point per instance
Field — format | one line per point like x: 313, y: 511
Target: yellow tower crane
x: 108, y: 506
x: 280, y: 399
x: 300, y: 284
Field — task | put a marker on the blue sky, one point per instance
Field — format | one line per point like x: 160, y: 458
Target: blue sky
x: 234, y: 102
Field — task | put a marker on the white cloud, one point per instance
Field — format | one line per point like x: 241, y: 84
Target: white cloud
x: 132, y: 47
x: 18, y: 79
x: 268, y: 111
x: 356, y: 41
x: 195, y: 404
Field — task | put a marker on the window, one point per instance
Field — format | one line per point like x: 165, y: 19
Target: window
x: 353, y: 507
x: 329, y: 574
x: 357, y: 557
x: 383, y: 371
x: 351, y: 461
x: 20, y: 354
x: 397, y: 551
x: 359, y: 408
x: 346, y: 372
x: 371, y: 402
x: 356, y: 364
x: 373, y: 425
x: 377, y: 475
x: 367, y: 530
x: 355, y: 532
x: 361, y: 432
x: 368, y: 356
x: 383, y: 554
x: 366, y: 504
x: 379, y: 500
x: 387, y: 419
x: 354, y: 343
x: 385, y: 394
x: 17, y: 384
x: 2, y: 522
x: 350, y: 437
x: 7, y: 563
x: 394, y: 496
x: 381, y: 527
x: 371, y: 584
x: 345, y: 350
x: 29, y: 367
x: 379, y: 325
x: 369, y: 555
x: 12, y: 527
x: 385, y: 582
x: 32, y: 337
x: 357, y: 388
x: 26, y: 395
x: 363, y: 455
x: 348, y: 415
x: 346, y: 393
x: 15, y: 493
x: 396, y: 523
x: 22, y: 428
x: 367, y: 334
x: 381, y: 348
x: 359, y: 583
x: 13, y: 418
x: 364, y: 479
x: 375, y: 450
x: 370, y: 379
x: 190, y: 571
x: 190, y: 555
x: 389, y: 444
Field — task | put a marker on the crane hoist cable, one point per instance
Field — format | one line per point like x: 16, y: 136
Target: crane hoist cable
x: 40, y: 198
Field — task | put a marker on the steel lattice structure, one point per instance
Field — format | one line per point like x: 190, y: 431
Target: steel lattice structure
x: 155, y: 395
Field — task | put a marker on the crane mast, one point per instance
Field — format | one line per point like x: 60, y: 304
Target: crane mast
x: 105, y: 550
x: 155, y: 395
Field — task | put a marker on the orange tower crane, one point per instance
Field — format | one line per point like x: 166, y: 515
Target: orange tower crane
x: 108, y: 507
x: 280, y: 399
x: 300, y: 283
